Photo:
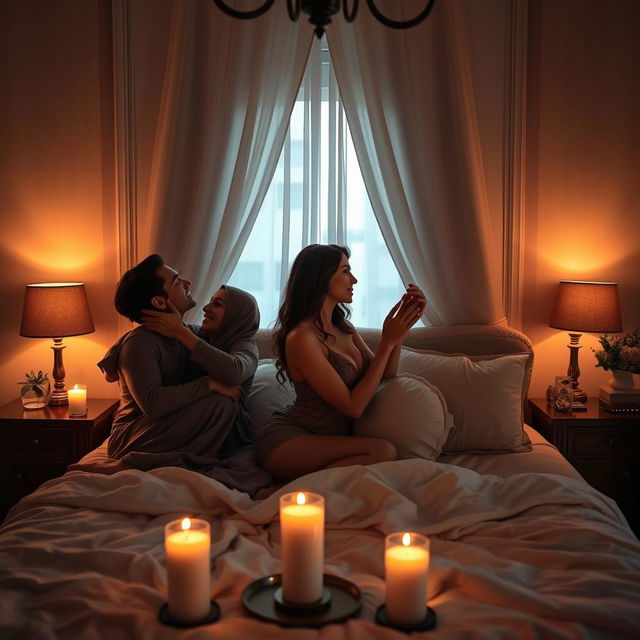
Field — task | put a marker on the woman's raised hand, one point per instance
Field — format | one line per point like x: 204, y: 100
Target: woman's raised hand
x: 165, y: 323
x: 403, y: 315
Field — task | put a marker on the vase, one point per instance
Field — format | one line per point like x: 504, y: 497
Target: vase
x: 621, y: 379
x: 35, y: 396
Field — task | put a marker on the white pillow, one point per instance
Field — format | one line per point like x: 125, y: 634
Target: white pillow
x: 266, y: 396
x: 410, y: 413
x: 485, y: 395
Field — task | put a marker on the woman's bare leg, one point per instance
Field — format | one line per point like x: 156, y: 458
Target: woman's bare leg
x: 305, y: 454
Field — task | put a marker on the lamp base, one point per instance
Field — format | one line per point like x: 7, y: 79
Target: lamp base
x: 58, y: 398
x: 579, y: 395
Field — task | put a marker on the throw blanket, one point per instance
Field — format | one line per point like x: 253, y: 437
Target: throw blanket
x: 530, y: 555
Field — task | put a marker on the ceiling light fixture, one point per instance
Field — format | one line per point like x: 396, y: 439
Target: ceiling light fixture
x: 321, y: 11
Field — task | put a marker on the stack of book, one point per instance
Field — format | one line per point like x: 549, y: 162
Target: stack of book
x: 620, y: 400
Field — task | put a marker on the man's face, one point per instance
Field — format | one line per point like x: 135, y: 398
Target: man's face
x: 177, y: 288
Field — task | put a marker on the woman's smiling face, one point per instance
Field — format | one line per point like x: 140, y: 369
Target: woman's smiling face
x: 214, y: 311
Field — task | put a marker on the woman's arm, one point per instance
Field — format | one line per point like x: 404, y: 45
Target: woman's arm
x: 306, y: 356
x: 231, y: 368
x: 413, y: 293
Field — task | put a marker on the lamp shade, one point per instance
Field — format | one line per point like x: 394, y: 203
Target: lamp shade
x: 587, y: 306
x: 56, y: 310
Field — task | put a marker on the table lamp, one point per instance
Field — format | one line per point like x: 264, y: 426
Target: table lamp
x: 592, y: 307
x: 56, y: 310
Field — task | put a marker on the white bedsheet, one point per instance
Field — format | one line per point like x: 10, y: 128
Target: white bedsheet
x: 526, y: 556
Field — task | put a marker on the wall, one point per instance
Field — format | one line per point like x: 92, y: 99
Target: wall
x: 56, y: 177
x: 583, y: 157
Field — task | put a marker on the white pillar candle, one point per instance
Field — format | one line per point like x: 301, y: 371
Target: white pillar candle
x: 406, y: 562
x: 77, y: 400
x: 302, y: 544
x: 188, y: 545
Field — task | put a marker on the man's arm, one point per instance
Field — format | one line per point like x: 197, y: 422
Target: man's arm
x: 139, y: 363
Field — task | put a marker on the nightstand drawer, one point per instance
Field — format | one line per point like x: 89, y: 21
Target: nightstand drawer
x: 617, y: 479
x: 23, y: 476
x: 39, y: 443
x: 603, y: 443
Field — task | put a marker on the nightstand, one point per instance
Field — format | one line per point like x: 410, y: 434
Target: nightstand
x: 38, y: 444
x: 604, y: 447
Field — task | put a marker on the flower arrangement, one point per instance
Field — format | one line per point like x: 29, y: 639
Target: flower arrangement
x: 619, y: 353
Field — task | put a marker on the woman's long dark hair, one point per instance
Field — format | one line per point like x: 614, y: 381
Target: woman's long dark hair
x: 306, y: 289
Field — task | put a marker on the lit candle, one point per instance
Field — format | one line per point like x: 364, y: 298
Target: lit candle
x: 406, y: 562
x: 77, y: 400
x: 302, y: 544
x: 188, y: 545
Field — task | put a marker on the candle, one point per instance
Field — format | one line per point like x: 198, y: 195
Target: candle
x: 406, y: 562
x: 302, y: 544
x: 188, y: 544
x: 77, y: 400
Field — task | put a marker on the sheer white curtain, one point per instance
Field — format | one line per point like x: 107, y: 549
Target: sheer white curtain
x: 229, y: 88
x: 409, y: 100
x: 317, y: 196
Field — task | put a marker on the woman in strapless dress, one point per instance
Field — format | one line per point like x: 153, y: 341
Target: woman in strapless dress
x: 333, y: 371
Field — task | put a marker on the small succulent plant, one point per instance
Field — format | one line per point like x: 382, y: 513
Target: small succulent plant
x: 33, y: 382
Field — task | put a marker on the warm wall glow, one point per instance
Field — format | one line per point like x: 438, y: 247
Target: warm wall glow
x: 66, y: 254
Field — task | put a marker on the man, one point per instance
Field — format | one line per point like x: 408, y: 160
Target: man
x: 171, y: 413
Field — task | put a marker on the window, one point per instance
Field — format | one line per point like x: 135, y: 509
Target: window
x: 317, y: 195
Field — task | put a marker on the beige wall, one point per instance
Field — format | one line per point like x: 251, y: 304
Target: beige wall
x: 56, y: 177
x: 583, y: 169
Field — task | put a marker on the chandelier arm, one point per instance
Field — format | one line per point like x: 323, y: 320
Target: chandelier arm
x: 396, y: 24
x: 244, y: 15
x: 293, y: 9
x: 350, y: 16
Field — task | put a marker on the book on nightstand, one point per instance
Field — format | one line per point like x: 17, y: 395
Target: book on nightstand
x: 620, y: 400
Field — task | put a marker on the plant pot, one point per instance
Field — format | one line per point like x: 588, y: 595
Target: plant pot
x: 621, y: 379
x: 35, y: 396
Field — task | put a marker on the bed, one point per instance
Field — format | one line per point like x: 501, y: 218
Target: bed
x: 521, y: 545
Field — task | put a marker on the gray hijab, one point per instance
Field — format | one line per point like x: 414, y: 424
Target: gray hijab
x: 240, y: 322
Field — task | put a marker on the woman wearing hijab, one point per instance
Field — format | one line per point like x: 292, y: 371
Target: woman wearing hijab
x: 211, y: 434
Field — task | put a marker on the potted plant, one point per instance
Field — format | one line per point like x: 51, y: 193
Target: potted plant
x: 621, y: 356
x: 35, y: 391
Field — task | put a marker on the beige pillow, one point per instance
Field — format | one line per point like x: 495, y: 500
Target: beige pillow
x: 485, y: 395
x: 410, y: 413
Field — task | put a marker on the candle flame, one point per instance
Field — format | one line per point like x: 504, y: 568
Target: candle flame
x: 300, y: 498
x: 406, y: 539
x: 75, y: 386
x: 186, y: 524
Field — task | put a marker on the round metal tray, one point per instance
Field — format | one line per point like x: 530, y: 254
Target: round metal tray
x: 259, y: 600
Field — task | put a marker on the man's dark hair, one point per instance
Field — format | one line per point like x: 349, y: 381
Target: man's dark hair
x: 138, y: 286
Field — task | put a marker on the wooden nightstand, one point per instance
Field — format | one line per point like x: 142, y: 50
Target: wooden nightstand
x: 604, y: 447
x: 37, y: 445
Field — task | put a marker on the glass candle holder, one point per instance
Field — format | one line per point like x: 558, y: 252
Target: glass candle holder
x: 187, y: 544
x: 302, y: 546
x: 406, y: 562
x: 77, y: 400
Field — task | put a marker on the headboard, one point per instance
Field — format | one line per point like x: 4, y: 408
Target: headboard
x: 470, y: 339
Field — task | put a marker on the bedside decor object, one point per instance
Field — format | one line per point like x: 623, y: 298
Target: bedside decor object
x: 56, y: 310
x: 406, y: 562
x: 621, y: 356
x: 35, y: 390
x: 592, y: 307
x: 78, y: 400
x: 187, y: 544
